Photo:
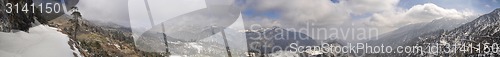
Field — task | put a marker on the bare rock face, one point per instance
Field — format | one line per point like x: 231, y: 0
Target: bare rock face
x: 21, y: 21
x: 99, y: 39
x: 17, y: 21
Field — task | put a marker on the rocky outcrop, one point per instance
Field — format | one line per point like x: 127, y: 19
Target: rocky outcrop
x: 12, y: 22
x: 93, y: 38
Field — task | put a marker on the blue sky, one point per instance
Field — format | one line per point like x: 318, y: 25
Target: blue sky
x: 319, y: 12
x: 478, y: 6
x: 114, y: 10
x: 250, y: 12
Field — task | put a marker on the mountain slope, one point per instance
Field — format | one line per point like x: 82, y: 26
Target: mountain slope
x: 480, y: 31
x: 98, y: 39
x: 406, y: 33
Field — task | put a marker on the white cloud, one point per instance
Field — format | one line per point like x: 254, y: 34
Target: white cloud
x: 297, y: 13
x: 161, y: 10
x: 114, y: 11
x: 315, y: 14
x: 386, y: 16
x: 488, y: 6
x: 369, y: 6
x: 266, y: 21
x: 416, y: 14
x: 432, y: 11
x: 322, y: 13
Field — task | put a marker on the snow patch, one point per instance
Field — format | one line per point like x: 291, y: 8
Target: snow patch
x: 195, y: 45
x: 284, y: 54
x: 77, y: 51
x: 41, y: 41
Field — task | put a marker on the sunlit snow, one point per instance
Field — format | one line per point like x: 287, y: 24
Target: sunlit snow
x: 40, y: 41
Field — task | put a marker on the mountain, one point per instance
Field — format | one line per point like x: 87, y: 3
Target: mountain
x: 408, y: 32
x: 20, y: 20
x: 276, y: 41
x: 445, y: 33
x: 13, y: 22
x: 480, y: 31
x: 93, y: 39
x: 99, y: 39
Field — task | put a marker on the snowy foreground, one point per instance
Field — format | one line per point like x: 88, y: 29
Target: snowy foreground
x: 41, y: 41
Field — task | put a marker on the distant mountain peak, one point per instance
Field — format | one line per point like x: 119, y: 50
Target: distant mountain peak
x: 496, y: 11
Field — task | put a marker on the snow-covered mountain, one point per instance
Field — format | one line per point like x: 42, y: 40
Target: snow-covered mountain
x: 268, y: 38
x: 210, y: 46
x: 483, y: 29
x: 268, y: 41
x: 408, y: 32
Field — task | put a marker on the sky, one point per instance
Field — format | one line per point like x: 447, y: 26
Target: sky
x: 385, y: 15
x: 477, y: 6
x: 115, y: 11
x: 363, y: 9
x: 480, y: 6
